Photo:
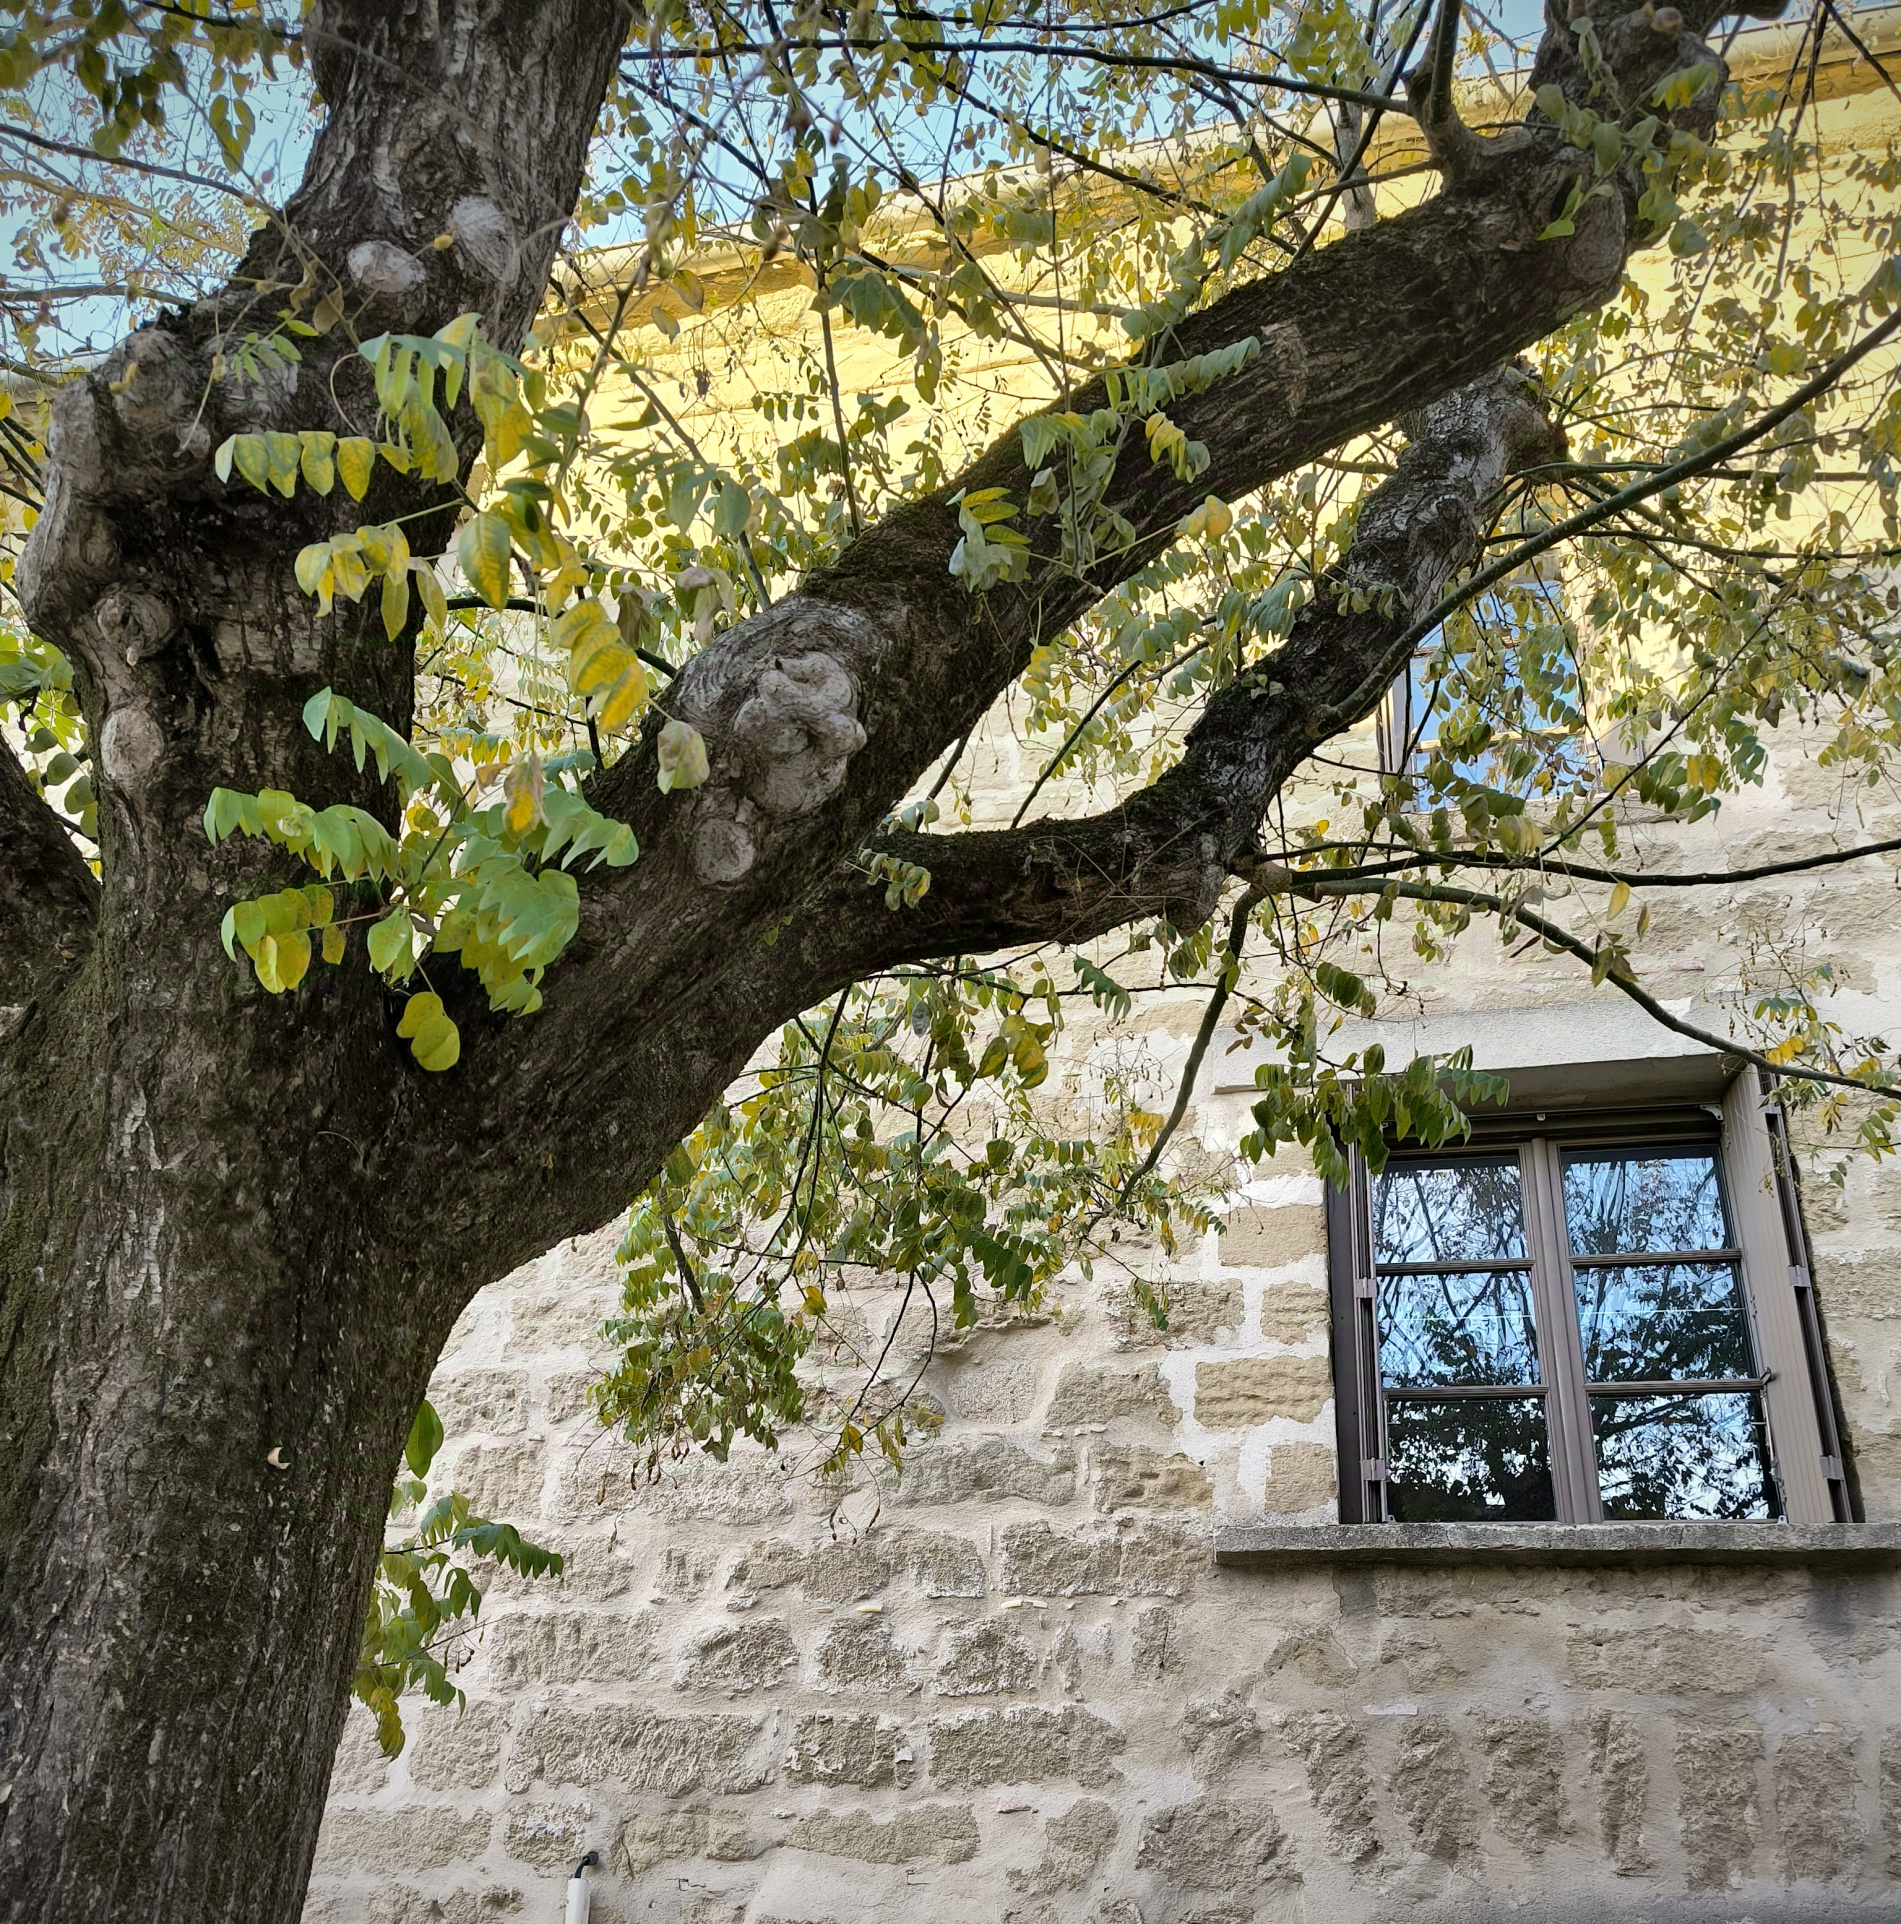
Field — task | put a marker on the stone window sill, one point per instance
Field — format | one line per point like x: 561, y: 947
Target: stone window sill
x: 1270, y: 1547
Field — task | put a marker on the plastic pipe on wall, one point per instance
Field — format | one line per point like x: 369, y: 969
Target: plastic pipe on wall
x: 578, y: 1890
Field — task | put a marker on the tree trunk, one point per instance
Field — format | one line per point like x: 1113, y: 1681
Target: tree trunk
x: 216, y: 1316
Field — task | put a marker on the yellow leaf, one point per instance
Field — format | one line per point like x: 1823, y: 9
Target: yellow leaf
x: 682, y: 757
x: 1220, y: 517
x: 333, y: 944
x: 250, y: 460
x: 282, y: 453
x: 435, y: 603
x: 432, y: 1037
x: 1620, y: 900
x: 317, y: 459
x: 356, y: 462
x: 282, y: 960
x: 523, y: 786
x: 482, y: 548
x: 395, y: 604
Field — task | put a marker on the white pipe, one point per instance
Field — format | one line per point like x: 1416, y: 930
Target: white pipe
x: 577, y: 1900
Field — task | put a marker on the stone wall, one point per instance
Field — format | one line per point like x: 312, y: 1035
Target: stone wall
x: 1013, y: 1688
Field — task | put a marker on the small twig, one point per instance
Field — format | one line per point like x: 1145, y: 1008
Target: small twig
x: 686, y: 1268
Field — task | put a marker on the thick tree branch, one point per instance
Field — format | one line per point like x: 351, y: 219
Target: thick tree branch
x: 48, y: 898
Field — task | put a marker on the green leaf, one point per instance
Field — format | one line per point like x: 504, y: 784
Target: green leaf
x: 317, y: 460
x: 425, y: 1439
x: 247, y: 452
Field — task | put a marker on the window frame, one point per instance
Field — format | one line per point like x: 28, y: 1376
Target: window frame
x: 1773, y: 1276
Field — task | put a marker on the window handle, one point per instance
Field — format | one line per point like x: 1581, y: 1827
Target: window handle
x: 1832, y: 1469
x: 1363, y: 1289
x: 1373, y: 1469
x: 1799, y: 1276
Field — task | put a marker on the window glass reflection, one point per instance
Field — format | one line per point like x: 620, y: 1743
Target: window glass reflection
x: 1679, y: 1457
x: 1643, y: 1323
x: 1473, y: 1460
x: 1470, y: 1328
x: 1448, y: 1212
x: 1663, y: 1199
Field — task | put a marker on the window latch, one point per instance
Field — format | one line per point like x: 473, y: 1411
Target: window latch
x: 1363, y: 1290
x: 1373, y: 1469
x: 1832, y: 1469
x: 1799, y: 1277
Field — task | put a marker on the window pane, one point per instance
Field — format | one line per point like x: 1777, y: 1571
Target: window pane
x: 1662, y: 1199
x: 1645, y: 1322
x: 1683, y: 1456
x: 1448, y: 1212
x: 1475, y: 1460
x: 1473, y: 1328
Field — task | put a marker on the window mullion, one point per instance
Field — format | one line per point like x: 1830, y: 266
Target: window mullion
x: 1560, y: 1347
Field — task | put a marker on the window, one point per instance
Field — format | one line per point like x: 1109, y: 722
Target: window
x: 1580, y: 1319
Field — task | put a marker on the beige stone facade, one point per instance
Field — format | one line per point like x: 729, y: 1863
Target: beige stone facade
x: 1018, y: 1687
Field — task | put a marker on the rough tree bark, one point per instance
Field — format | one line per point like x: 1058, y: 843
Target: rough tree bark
x: 235, y: 1229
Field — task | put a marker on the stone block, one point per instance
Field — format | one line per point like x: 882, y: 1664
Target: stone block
x: 501, y: 1480
x: 1718, y: 1799
x: 401, y: 1904
x: 1524, y: 1766
x: 1091, y: 1395
x: 1135, y: 1560
x: 947, y: 1832
x: 939, y: 1563
x: 1429, y: 1783
x: 1198, y: 1309
x: 755, y: 1655
x: 982, y: 1658
x: 1621, y: 1773
x: 654, y: 1838
x: 569, y: 1646
x: 1024, y: 1745
x: 563, y: 1319
x: 867, y: 1751
x: 1667, y: 1660
x: 451, y: 1749
x: 1293, y: 1313
x: 639, y: 1747
x: 992, y: 1392
x: 1301, y: 1477
x: 351, y: 1842
x: 359, y: 1768
x: 1134, y: 1477
x: 1073, y: 1845
x: 1334, y: 1752
x: 1816, y: 1817
x: 552, y: 1837
x: 1255, y: 1238
x: 1213, y: 1845
x: 1421, y: 1656
x: 985, y: 1472
x: 1888, y: 1794
x: 1232, y: 1394
x: 1316, y: 1653
x: 1218, y: 1733
x: 1154, y: 1648
x: 1863, y: 1283
x: 744, y: 1493
x: 857, y: 1653
x: 494, y: 1401
x: 565, y: 1393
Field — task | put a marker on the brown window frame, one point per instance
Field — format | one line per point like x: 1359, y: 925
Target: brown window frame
x: 1754, y: 1169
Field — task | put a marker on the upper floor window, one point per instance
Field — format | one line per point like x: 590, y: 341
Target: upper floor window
x: 1560, y: 1325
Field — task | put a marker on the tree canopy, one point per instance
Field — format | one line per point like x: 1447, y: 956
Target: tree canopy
x: 524, y: 619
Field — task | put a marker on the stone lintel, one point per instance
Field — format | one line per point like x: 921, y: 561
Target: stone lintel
x: 1265, y: 1548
